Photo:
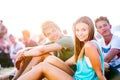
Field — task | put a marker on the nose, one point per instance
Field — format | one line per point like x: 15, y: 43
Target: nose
x: 102, y: 27
x: 80, y: 33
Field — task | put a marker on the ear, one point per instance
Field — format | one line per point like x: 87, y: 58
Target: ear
x: 110, y: 26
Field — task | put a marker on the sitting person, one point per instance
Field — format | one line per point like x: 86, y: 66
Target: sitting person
x: 110, y: 47
x: 87, y: 56
x: 28, y: 42
x: 5, y: 60
x: 59, y: 45
x: 3, y: 29
x: 15, y: 46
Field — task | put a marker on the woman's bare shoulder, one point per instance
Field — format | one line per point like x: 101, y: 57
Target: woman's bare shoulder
x: 90, y: 44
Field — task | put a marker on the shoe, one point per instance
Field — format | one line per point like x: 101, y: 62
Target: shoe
x: 10, y: 77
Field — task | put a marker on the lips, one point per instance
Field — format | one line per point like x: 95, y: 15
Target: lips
x: 104, y: 31
x: 81, y: 37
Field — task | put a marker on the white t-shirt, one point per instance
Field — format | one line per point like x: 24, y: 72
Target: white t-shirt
x: 14, y: 49
x: 114, y: 43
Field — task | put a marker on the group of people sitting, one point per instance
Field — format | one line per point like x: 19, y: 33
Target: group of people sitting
x: 5, y: 60
x: 81, y: 57
x: 9, y: 45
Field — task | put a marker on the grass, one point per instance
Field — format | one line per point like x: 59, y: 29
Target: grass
x: 6, y: 70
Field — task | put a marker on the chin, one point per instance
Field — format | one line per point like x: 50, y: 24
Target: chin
x: 82, y: 40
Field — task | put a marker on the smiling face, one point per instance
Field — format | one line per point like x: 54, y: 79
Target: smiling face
x: 51, y: 31
x: 12, y: 39
x: 82, y: 31
x: 52, y: 34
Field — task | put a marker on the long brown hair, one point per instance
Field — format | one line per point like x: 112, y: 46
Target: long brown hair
x: 78, y: 45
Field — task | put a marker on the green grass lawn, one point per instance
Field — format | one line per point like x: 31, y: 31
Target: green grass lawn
x: 6, y: 70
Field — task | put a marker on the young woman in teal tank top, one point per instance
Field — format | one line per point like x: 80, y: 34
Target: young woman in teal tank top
x: 87, y: 56
x: 84, y: 67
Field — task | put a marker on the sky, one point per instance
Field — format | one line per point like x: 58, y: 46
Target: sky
x: 30, y: 14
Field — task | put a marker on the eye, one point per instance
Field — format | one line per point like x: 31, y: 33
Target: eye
x: 83, y: 29
x: 77, y: 30
x: 47, y: 34
x: 105, y: 25
x: 99, y: 27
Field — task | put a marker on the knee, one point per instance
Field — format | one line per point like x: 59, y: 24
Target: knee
x: 50, y: 59
x: 40, y: 58
x: 39, y: 66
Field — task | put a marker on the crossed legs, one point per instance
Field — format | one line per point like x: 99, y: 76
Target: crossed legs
x: 52, y: 68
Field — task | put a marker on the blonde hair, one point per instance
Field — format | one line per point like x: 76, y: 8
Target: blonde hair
x: 47, y: 25
x: 78, y: 45
x: 26, y: 32
x: 101, y: 18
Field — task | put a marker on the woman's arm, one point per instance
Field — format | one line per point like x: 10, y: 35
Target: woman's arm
x: 92, y: 52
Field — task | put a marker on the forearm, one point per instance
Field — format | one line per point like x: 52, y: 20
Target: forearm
x: 111, y: 54
x: 36, y: 51
x: 28, y: 54
x: 43, y: 49
x: 101, y: 76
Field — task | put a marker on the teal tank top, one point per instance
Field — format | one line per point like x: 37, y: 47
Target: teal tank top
x: 86, y: 72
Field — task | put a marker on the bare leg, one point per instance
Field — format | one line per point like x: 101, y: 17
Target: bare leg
x: 45, y: 69
x: 59, y: 63
x: 35, y: 61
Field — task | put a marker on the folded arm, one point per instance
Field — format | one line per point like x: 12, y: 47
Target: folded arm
x: 111, y: 54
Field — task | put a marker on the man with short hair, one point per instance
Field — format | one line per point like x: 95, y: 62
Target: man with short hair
x: 110, y: 45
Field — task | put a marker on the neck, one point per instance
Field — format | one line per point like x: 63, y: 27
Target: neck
x: 108, y: 39
x: 14, y: 43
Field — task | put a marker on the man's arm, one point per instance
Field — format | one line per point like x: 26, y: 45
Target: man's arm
x: 35, y: 51
x: 111, y: 54
x: 40, y: 50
